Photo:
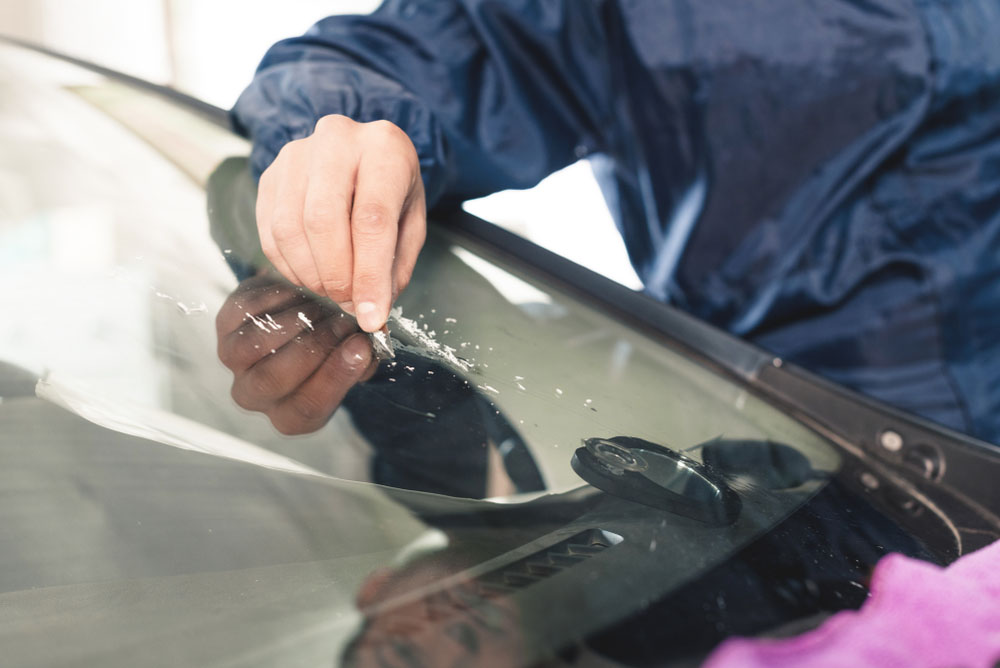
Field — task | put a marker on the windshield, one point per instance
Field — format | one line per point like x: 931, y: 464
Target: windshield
x: 116, y: 242
x: 181, y: 460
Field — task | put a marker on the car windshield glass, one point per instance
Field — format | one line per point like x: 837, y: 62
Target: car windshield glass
x: 497, y: 380
x: 179, y: 460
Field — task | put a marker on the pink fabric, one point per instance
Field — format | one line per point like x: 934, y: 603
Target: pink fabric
x: 918, y: 615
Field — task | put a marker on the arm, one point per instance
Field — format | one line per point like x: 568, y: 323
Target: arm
x: 489, y: 96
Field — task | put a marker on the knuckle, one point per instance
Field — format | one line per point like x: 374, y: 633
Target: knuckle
x: 262, y: 384
x: 338, y: 290
x: 408, y: 149
x: 262, y: 213
x: 231, y: 355
x: 241, y: 399
x: 413, y: 165
x: 289, y: 149
x: 271, y: 252
x: 266, y: 240
x: 285, y: 228
x: 319, y: 219
x: 383, y: 128
x: 398, y: 143
x: 307, y: 410
x: 370, y: 284
x: 225, y: 321
x: 240, y: 355
x: 371, y: 218
x: 314, y: 220
x: 225, y: 355
x: 392, y: 134
x: 334, y: 123
x: 315, y: 285
x: 287, y: 426
x: 268, y: 175
x: 284, y: 428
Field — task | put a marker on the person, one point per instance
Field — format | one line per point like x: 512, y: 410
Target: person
x: 822, y: 179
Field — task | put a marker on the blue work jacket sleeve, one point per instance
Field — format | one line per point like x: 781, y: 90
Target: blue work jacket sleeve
x: 493, y: 95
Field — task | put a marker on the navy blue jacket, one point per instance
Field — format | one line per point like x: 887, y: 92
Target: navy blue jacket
x: 821, y: 177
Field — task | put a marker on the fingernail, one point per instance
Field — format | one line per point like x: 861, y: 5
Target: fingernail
x: 347, y: 307
x: 353, y: 350
x: 368, y: 316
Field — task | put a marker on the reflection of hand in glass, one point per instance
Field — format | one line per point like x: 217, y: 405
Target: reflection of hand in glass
x: 452, y: 626
x: 293, y: 357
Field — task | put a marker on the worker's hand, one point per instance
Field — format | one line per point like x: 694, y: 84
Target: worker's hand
x: 343, y: 214
x: 293, y: 357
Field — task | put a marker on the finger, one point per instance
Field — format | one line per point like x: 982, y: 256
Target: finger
x: 326, y: 219
x: 383, y: 183
x: 281, y: 373
x: 266, y: 193
x: 256, y: 295
x: 265, y: 333
x: 412, y: 234
x: 311, y: 405
x: 286, y: 224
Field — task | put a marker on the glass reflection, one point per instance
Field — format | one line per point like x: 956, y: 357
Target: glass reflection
x: 293, y: 357
x: 658, y: 477
x: 453, y: 626
x: 764, y: 464
x: 297, y: 359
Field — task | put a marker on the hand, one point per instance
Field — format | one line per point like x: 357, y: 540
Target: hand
x: 293, y: 357
x: 342, y: 213
x: 458, y: 624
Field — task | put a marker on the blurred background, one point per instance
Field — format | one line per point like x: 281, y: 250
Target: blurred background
x: 210, y: 48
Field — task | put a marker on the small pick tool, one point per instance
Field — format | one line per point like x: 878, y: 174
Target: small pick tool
x: 382, y: 344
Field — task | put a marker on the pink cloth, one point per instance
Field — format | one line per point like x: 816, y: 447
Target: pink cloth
x: 918, y: 615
